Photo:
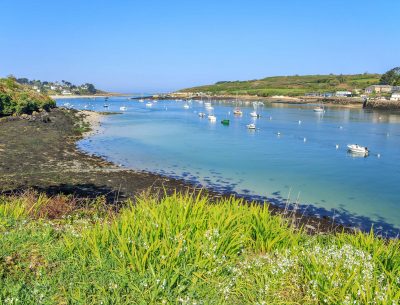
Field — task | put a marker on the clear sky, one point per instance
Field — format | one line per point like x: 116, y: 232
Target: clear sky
x: 148, y: 46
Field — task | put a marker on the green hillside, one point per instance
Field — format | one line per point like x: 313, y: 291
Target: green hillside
x: 290, y: 85
x: 18, y: 99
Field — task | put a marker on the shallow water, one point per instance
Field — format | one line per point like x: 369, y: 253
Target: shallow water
x: 302, y: 163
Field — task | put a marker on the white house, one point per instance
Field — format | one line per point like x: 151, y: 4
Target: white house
x: 66, y: 92
x: 343, y: 93
x: 395, y: 96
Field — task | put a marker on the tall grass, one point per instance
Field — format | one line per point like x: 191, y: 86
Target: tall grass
x: 184, y: 249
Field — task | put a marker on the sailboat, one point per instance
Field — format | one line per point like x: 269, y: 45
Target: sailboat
x: 237, y: 110
x: 254, y: 113
x: 319, y: 108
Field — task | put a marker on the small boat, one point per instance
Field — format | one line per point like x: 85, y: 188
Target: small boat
x: 155, y: 101
x: 237, y: 111
x: 254, y: 114
x: 186, y: 106
x: 123, y: 108
x: 225, y: 122
x: 251, y: 126
x: 105, y: 106
x: 149, y: 104
x: 141, y: 100
x: 357, y: 149
x: 212, y: 118
x: 202, y: 114
x: 320, y: 108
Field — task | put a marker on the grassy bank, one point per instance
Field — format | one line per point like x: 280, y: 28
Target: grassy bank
x: 289, y: 85
x: 183, y: 250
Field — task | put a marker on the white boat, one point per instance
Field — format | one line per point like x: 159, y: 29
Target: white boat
x: 186, y: 106
x: 212, y: 118
x: 155, y: 101
x: 320, y: 108
x: 149, y: 104
x: 141, y: 100
x: 355, y: 148
x: 123, y: 108
x: 251, y: 126
x: 202, y: 114
x: 237, y: 111
x: 254, y: 114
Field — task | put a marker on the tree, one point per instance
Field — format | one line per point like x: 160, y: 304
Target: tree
x: 91, y: 88
x: 391, y: 77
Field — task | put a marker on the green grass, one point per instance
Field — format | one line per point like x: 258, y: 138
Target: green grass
x: 183, y: 250
x: 290, y: 85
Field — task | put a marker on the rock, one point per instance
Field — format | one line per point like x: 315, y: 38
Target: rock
x: 45, y: 118
x: 35, y: 113
x: 310, y: 227
x: 24, y: 116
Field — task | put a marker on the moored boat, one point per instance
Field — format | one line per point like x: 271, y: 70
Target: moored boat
x: 237, y: 111
x: 251, y: 126
x: 212, y: 118
x: 225, y: 122
x: 358, y: 149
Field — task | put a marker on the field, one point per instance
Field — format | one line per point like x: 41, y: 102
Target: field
x: 183, y: 249
x: 290, y: 85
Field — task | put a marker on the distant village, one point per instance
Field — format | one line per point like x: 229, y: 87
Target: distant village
x: 379, y: 92
x: 59, y: 88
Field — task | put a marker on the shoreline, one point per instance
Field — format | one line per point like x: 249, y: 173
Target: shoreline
x: 54, y: 164
x: 314, y: 217
x: 60, y: 97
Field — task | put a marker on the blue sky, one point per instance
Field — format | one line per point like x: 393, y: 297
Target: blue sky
x: 148, y: 46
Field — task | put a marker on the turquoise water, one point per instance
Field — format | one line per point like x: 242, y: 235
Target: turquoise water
x: 302, y: 164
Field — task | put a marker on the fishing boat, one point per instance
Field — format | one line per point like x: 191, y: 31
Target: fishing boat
x: 357, y: 149
x: 149, y: 104
x: 225, y: 122
x: 202, y: 114
x: 251, y: 126
x: 212, y: 118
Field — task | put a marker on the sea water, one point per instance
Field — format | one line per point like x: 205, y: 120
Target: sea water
x: 295, y: 155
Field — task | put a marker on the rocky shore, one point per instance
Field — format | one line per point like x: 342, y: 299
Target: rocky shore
x: 43, y: 156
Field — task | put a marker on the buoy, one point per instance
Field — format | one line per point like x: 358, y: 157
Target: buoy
x: 378, y: 155
x: 337, y: 146
x: 304, y: 139
x: 341, y: 127
x: 299, y: 122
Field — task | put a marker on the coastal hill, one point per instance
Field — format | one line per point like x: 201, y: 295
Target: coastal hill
x: 290, y: 85
x: 21, y: 99
x: 62, y: 87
